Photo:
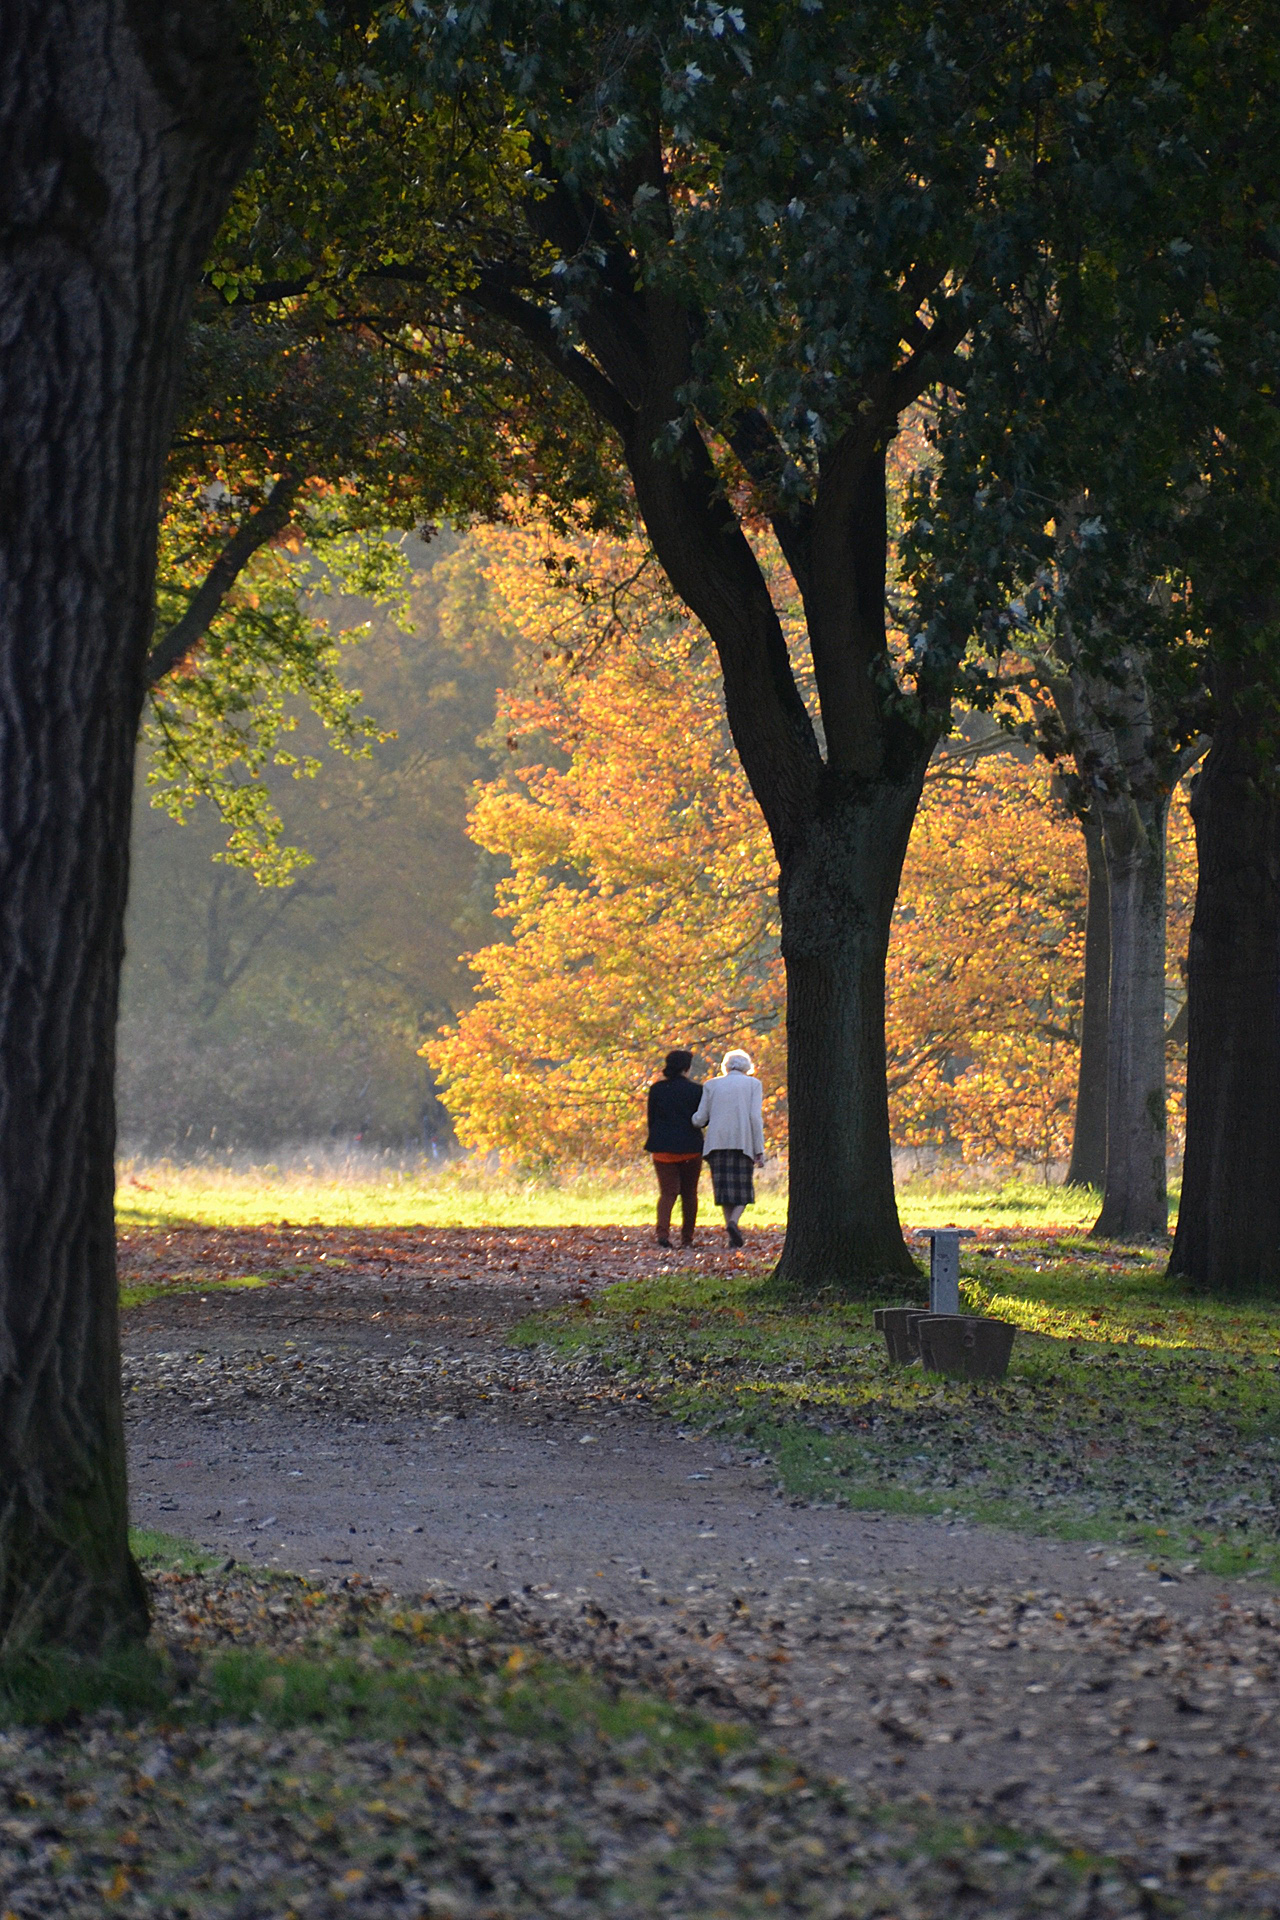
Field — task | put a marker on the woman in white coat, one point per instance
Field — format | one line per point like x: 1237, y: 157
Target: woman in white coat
x: 733, y: 1142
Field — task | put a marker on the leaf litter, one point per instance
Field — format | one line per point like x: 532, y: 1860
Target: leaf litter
x: 1138, y: 1732
x: 524, y: 1779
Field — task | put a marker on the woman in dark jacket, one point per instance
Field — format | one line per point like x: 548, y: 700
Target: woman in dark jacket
x: 676, y: 1145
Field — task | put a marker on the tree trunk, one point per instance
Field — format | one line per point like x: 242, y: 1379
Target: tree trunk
x: 123, y: 123
x: 1135, y: 1203
x: 1228, y: 1237
x: 1088, y: 1166
x: 837, y: 894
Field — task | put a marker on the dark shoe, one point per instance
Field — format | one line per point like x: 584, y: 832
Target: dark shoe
x: 686, y: 1239
x: 735, y: 1238
x: 663, y: 1241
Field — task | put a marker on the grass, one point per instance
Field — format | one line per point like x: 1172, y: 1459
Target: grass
x: 382, y: 1694
x: 1132, y: 1413
x: 366, y: 1191
x: 459, y: 1193
x: 383, y: 1691
x: 374, y: 1674
x: 137, y: 1293
x: 157, y: 1552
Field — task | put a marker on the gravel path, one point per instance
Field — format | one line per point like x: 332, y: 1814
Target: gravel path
x: 371, y: 1420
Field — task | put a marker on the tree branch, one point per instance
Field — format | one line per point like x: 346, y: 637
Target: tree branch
x: 928, y: 361
x: 764, y: 460
x: 501, y: 302
x: 253, y: 532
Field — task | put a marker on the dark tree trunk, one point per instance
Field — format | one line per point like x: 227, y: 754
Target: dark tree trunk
x: 1135, y: 1203
x: 1228, y: 1236
x: 837, y: 894
x: 122, y: 123
x: 1122, y: 766
x: 1088, y: 1164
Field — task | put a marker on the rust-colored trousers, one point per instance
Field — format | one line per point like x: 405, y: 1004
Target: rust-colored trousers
x: 678, y: 1178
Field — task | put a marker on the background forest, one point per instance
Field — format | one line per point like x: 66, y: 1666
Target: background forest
x: 254, y: 1015
x: 556, y: 755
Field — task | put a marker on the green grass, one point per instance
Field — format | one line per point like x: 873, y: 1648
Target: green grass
x: 464, y: 1193
x: 377, y: 1674
x: 960, y: 1200
x: 156, y: 1552
x: 385, y: 1693
x: 461, y: 1194
x: 53, y: 1688
x: 137, y: 1294
x: 381, y: 1692
x: 1132, y: 1412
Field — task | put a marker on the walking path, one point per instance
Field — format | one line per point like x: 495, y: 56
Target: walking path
x: 372, y: 1421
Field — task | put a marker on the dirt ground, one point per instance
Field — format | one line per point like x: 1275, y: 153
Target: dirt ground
x: 368, y: 1418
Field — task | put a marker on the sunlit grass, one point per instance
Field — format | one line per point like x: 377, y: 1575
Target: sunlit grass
x: 462, y: 1193
x: 952, y: 1201
x: 1078, y: 1290
x: 137, y: 1294
x: 362, y: 1191
x: 155, y: 1551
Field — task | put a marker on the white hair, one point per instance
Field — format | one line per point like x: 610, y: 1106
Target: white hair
x: 736, y: 1061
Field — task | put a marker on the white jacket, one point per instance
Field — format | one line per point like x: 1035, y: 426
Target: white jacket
x: 730, y: 1110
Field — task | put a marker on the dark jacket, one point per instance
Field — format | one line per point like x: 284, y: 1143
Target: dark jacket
x: 671, y: 1102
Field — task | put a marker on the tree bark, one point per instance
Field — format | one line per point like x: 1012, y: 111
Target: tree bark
x: 1125, y: 770
x: 123, y: 124
x: 1135, y: 1204
x: 837, y: 893
x: 1228, y: 1235
x: 1088, y: 1164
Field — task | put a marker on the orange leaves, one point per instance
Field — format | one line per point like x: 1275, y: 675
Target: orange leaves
x: 986, y: 968
x: 641, y: 912
x: 640, y: 896
x: 986, y: 965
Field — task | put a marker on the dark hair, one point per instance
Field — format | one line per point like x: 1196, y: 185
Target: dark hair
x: 678, y: 1062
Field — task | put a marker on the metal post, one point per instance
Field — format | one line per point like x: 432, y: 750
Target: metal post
x: 944, y: 1266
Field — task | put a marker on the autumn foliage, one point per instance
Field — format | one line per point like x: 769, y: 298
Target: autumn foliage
x: 640, y: 908
x: 640, y: 895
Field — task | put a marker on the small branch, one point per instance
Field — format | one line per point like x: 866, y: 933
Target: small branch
x: 599, y: 392
x: 967, y: 752
x: 261, y: 526
x: 764, y: 460
x: 931, y: 354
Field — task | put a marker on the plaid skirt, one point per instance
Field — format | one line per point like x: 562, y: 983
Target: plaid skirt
x: 732, y: 1177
